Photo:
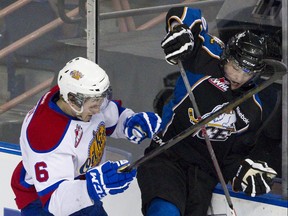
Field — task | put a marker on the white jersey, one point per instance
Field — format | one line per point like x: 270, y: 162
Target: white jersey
x: 58, y: 149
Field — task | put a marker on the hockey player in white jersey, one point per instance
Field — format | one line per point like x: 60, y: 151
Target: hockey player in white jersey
x: 63, y: 138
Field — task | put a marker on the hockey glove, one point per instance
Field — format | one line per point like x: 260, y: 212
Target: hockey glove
x: 177, y: 44
x: 253, y: 178
x: 106, y: 179
x: 142, y: 125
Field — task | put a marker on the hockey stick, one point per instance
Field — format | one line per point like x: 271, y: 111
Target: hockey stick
x: 280, y: 70
x: 207, y: 140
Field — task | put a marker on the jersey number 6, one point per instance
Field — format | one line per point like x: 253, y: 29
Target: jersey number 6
x: 40, y: 171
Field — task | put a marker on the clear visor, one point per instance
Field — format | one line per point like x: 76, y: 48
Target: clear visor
x: 239, y: 67
x: 93, y: 104
x: 88, y: 102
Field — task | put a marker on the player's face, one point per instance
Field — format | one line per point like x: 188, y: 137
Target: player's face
x: 91, y: 107
x: 236, y: 75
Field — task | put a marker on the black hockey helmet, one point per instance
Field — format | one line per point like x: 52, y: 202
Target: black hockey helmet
x: 247, y: 50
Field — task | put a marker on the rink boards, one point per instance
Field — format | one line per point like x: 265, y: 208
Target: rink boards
x: 129, y: 202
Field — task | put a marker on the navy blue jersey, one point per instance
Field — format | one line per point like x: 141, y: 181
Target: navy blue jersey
x: 231, y: 133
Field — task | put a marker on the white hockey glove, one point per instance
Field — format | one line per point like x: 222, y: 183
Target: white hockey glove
x: 253, y: 178
x: 141, y: 125
x: 178, y: 43
x: 106, y: 179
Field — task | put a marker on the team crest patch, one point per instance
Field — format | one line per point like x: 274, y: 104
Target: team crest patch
x: 78, y: 135
x: 97, y: 145
x: 95, y: 149
x: 220, y: 128
x: 220, y: 83
x: 76, y: 74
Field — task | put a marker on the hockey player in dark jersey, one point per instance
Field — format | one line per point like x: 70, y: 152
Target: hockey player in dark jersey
x: 181, y: 180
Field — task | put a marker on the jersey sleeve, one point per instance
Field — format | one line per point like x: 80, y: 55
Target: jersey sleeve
x: 70, y: 197
x: 245, y: 141
x: 192, y: 17
x: 178, y: 94
x: 115, y: 116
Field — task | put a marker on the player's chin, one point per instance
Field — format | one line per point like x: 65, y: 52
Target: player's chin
x: 235, y: 86
x: 87, y: 118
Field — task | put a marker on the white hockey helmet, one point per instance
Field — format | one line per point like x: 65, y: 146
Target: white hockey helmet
x: 82, y: 78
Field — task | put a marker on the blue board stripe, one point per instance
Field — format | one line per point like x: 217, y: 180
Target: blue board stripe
x: 10, y: 148
x: 272, y: 199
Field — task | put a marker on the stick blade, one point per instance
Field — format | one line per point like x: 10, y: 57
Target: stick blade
x: 274, y: 66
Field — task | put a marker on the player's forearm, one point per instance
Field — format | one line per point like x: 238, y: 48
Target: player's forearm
x: 119, y: 130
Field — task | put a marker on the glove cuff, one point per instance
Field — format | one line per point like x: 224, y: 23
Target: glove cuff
x: 94, y: 186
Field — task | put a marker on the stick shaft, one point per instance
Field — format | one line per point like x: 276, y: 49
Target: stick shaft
x: 187, y: 132
x: 206, y: 137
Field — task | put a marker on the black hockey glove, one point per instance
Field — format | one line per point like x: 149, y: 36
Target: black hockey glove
x: 177, y: 44
x: 253, y: 178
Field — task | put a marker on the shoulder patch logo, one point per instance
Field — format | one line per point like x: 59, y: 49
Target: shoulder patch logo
x: 220, y: 83
x: 78, y: 135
